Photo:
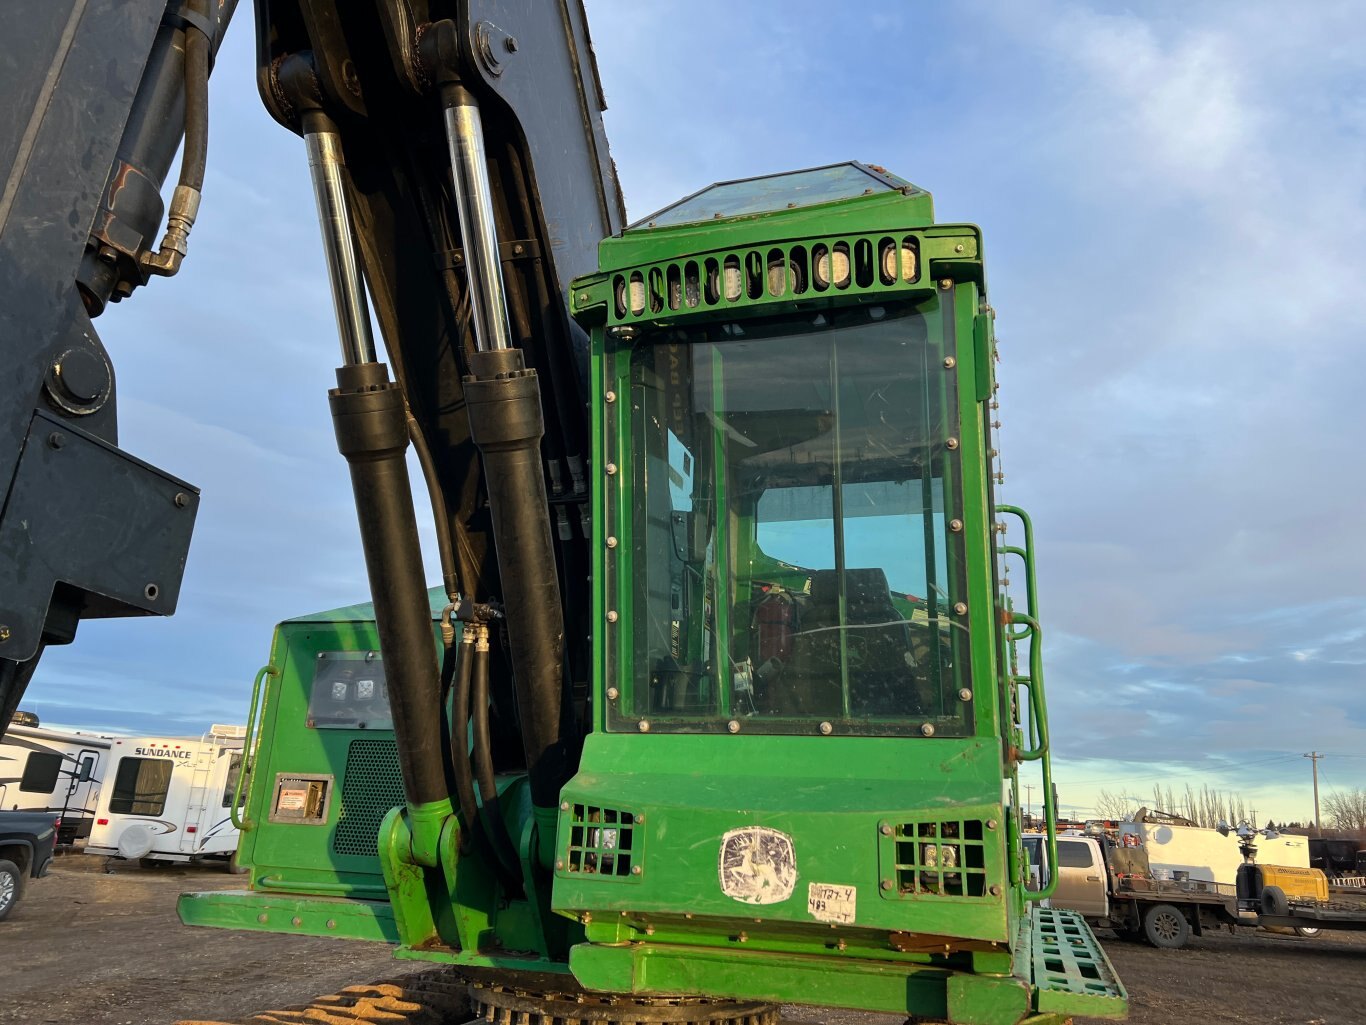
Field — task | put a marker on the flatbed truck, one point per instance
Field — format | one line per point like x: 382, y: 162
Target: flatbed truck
x: 1115, y: 889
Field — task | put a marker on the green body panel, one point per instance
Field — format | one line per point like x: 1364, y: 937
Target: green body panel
x: 833, y: 795
x: 285, y: 912
x: 306, y: 857
x: 286, y: 858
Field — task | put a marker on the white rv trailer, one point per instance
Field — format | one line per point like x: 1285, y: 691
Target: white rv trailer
x: 169, y: 798
x: 54, y: 770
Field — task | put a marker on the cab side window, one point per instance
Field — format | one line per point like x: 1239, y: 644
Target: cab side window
x: 1073, y: 855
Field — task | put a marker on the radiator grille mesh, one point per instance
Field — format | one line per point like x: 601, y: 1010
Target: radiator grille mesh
x: 371, y: 786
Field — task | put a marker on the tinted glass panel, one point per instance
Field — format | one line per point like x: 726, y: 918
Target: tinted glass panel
x: 772, y: 192
x: 1074, y: 855
x: 349, y: 692
x: 791, y: 552
x: 41, y: 772
x: 235, y: 770
x: 140, y: 786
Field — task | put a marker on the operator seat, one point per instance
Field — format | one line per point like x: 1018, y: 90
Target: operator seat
x: 877, y: 641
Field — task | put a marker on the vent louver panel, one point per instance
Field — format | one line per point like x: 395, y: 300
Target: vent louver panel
x: 602, y: 841
x: 945, y: 858
x: 372, y: 785
x: 807, y: 269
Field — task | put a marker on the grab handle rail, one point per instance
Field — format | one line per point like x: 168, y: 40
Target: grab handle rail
x: 249, y: 746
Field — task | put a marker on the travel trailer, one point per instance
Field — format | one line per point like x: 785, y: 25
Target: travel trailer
x: 53, y: 770
x: 169, y: 798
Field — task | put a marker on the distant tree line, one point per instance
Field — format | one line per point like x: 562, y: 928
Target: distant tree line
x: 1343, y: 811
x: 1205, y: 807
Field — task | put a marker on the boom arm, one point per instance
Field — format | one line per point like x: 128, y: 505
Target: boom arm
x: 95, y: 107
x: 386, y: 93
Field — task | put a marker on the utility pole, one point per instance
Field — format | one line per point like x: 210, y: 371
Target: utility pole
x: 1314, y: 757
x: 1029, y: 800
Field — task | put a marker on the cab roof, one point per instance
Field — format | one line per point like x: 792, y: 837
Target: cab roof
x: 364, y: 612
x: 773, y: 192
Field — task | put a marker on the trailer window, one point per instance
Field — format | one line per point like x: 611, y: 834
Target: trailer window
x: 40, y: 773
x: 235, y: 770
x: 140, y: 786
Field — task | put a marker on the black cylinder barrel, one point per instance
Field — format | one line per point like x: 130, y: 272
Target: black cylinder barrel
x: 371, y: 424
x: 503, y: 399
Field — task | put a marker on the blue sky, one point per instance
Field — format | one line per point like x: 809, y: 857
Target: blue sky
x: 1172, y: 199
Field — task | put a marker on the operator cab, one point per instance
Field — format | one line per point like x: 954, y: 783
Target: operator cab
x: 796, y: 528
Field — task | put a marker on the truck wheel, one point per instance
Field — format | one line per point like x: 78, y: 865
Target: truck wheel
x: 11, y: 887
x: 1307, y: 931
x: 1274, y: 902
x: 1166, y: 927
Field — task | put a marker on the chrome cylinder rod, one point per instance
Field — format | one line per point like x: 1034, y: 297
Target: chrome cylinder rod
x: 328, y: 170
x: 483, y: 270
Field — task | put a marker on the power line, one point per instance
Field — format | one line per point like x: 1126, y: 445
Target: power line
x: 1314, y: 757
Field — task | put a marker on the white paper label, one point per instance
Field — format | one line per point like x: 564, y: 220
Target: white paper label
x: 292, y: 800
x: 827, y: 902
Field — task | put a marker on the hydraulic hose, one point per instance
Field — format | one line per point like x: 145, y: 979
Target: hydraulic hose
x: 495, y: 827
x: 450, y: 577
x: 196, y: 152
x: 448, y: 659
x: 460, y: 733
x: 185, y: 200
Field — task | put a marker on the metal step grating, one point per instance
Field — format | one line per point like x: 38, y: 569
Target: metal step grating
x: 1070, y: 972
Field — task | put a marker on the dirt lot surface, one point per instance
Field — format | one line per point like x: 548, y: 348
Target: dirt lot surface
x: 1251, y: 977
x: 85, y: 948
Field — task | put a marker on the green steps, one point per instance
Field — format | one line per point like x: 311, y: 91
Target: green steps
x: 1068, y: 969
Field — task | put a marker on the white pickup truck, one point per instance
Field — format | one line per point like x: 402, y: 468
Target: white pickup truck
x: 1114, y: 889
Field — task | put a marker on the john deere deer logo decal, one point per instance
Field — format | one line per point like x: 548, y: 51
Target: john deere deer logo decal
x: 758, y: 865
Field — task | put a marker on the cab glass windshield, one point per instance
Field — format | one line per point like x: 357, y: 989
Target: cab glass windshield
x: 795, y: 536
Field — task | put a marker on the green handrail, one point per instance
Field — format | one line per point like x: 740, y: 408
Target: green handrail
x: 248, y: 748
x: 366, y: 891
x: 1038, y: 713
x: 1027, y: 553
x: 1033, y: 682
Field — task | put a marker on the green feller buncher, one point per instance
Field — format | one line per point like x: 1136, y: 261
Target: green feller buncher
x: 719, y: 709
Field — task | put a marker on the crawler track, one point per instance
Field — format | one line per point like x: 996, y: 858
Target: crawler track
x: 442, y: 996
x: 436, y: 997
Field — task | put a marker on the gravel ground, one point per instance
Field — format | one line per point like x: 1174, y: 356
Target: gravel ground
x: 86, y: 948
x: 1250, y: 977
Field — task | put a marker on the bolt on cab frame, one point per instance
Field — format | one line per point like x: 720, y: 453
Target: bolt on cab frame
x: 804, y: 708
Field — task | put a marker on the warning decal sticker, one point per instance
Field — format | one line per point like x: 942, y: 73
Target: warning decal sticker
x: 826, y: 902
x: 758, y: 865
